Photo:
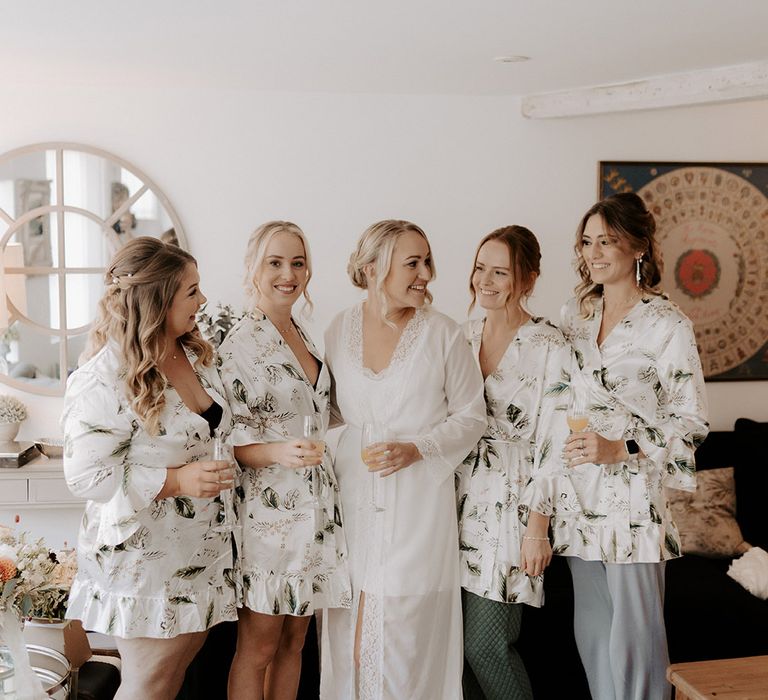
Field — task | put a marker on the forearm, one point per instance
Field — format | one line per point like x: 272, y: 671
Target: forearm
x: 257, y: 455
x: 538, y: 525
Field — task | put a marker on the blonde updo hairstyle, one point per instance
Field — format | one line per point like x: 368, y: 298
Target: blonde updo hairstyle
x: 524, y: 260
x: 256, y: 252
x: 375, y: 247
x: 625, y: 216
x: 141, y: 281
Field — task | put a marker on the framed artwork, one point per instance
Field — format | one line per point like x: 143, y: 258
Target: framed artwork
x: 712, y: 226
x: 35, y: 235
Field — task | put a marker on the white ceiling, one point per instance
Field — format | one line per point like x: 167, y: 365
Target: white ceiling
x: 389, y: 46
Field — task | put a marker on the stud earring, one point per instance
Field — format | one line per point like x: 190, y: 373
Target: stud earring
x: 638, y: 261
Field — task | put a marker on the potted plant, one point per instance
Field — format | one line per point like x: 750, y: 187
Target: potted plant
x: 12, y: 412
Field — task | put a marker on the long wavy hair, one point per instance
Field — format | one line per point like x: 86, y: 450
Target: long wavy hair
x: 625, y: 216
x: 257, y: 250
x: 375, y: 247
x: 525, y: 262
x: 141, y: 281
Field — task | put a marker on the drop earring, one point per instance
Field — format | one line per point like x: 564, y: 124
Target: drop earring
x: 638, y: 261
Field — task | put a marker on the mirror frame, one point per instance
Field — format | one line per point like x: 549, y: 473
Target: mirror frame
x: 61, y: 271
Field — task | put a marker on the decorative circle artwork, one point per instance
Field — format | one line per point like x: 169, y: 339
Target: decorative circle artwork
x: 712, y: 227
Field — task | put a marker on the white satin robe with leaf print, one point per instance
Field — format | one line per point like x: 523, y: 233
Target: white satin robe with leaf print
x: 291, y: 563
x: 405, y: 558
x: 146, y: 567
x: 515, y: 467
x: 644, y: 383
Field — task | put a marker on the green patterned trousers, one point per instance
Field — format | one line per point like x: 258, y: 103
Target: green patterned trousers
x: 493, y: 670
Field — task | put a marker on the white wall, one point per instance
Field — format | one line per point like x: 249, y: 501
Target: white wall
x: 458, y: 166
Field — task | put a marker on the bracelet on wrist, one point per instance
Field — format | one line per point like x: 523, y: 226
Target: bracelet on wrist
x: 536, y: 539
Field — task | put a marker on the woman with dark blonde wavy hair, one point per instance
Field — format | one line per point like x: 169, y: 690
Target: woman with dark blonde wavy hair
x: 154, y: 568
x: 638, y: 376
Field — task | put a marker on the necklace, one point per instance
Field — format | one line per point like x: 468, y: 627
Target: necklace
x: 637, y: 294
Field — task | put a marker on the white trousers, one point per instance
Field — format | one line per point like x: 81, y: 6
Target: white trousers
x: 619, y: 629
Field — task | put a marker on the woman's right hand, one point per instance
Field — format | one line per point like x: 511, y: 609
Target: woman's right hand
x: 204, y: 479
x: 298, y: 453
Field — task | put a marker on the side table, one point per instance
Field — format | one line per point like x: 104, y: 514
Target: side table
x: 723, y: 679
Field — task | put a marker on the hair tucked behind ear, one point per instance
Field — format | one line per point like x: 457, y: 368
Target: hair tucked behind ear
x: 256, y: 251
x: 624, y: 215
x: 524, y: 257
x: 375, y: 247
x: 141, y: 282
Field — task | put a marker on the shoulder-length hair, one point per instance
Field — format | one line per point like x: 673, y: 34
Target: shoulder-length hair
x: 625, y: 216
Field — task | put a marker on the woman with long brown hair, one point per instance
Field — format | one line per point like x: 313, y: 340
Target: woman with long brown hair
x: 505, y: 488
x: 155, y: 568
x: 638, y: 370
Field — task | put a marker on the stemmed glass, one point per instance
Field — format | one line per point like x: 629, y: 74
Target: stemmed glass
x: 372, y: 434
x: 577, y: 416
x: 222, y: 452
x: 312, y: 430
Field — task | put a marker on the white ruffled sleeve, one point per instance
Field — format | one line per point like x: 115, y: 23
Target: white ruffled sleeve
x: 680, y: 425
x: 445, y: 446
x: 97, y: 439
x: 541, y: 492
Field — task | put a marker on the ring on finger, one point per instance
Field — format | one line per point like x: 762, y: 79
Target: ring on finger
x: 583, y: 443
x: 387, y: 453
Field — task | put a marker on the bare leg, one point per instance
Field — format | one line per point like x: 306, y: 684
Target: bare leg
x: 153, y: 669
x: 258, y: 639
x: 282, y: 678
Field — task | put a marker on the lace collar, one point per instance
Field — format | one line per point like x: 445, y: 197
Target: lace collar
x: 408, y: 338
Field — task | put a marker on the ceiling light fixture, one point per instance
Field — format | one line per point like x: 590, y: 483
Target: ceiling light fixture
x: 512, y: 59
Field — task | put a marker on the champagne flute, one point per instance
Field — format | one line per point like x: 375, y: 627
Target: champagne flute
x: 372, y: 433
x: 222, y: 452
x: 577, y: 416
x: 312, y: 430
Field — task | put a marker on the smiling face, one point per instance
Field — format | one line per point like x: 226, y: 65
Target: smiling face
x: 409, y: 273
x: 492, y: 277
x: 182, y: 313
x: 610, y: 260
x: 283, y: 273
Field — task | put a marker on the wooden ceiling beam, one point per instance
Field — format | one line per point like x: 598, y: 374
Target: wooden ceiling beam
x: 724, y: 84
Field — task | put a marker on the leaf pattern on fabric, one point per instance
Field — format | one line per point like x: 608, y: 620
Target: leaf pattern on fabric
x: 645, y: 383
x: 283, y: 547
x: 528, y: 390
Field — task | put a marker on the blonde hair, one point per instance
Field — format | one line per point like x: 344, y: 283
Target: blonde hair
x: 375, y: 247
x: 141, y: 281
x: 524, y: 260
x: 625, y: 216
x: 256, y: 251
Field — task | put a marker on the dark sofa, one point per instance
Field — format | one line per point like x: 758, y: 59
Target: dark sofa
x: 708, y: 615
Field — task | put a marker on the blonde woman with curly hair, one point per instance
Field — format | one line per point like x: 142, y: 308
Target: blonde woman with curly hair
x: 154, y: 569
x: 401, y: 365
x: 638, y: 371
x: 293, y: 551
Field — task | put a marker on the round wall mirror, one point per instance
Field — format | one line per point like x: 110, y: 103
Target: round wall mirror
x: 65, y: 209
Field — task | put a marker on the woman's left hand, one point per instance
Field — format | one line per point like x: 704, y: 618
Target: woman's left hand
x: 592, y: 448
x: 390, y: 457
x: 535, y: 555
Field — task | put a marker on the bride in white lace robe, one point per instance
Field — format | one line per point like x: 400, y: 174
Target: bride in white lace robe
x: 404, y: 559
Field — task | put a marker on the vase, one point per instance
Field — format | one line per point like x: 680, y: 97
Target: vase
x: 8, y: 431
x: 6, y: 672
